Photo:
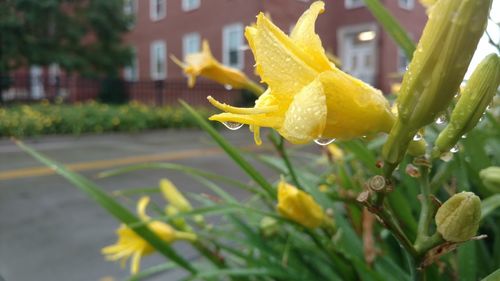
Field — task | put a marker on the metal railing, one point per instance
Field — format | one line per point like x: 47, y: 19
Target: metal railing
x: 23, y: 88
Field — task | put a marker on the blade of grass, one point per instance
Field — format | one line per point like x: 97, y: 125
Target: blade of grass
x: 111, y: 205
x: 392, y: 27
x: 489, y: 204
x: 154, y: 270
x: 231, y: 151
x: 181, y: 168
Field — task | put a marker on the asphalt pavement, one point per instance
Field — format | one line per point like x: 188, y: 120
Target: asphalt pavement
x: 50, y: 231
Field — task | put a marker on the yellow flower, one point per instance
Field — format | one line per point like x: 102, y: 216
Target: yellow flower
x: 174, y: 197
x: 299, y: 206
x: 177, y: 200
x: 308, y: 96
x: 131, y: 245
x: 204, y: 64
x: 336, y: 152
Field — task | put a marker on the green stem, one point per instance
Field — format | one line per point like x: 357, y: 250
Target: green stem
x: 279, y: 144
x: 424, y: 242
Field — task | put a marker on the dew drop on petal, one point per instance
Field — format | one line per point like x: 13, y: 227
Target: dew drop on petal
x: 324, y: 141
x: 232, y: 125
x: 446, y: 157
x: 228, y: 87
x: 464, y: 136
x: 454, y: 149
x: 417, y: 137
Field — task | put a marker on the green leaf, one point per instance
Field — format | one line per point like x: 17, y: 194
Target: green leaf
x: 231, y: 151
x: 392, y: 27
x: 154, y: 270
x: 495, y: 276
x: 467, y: 262
x: 489, y: 204
x: 112, y: 206
x: 181, y: 168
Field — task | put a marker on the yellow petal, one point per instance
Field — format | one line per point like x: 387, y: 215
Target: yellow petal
x: 174, y: 196
x: 355, y: 109
x: 305, y: 37
x: 280, y: 63
x: 299, y: 206
x: 141, y: 207
x: 136, y: 262
x: 306, y: 116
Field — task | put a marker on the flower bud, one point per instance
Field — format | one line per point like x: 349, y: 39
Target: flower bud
x: 438, y: 66
x: 269, y: 226
x: 174, y: 196
x: 475, y: 97
x: 299, y: 206
x: 458, y: 218
x: 491, y: 178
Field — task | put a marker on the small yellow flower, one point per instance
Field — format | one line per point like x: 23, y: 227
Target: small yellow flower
x: 204, y: 64
x: 131, y: 245
x: 174, y: 196
x: 336, y: 152
x: 299, y: 206
x: 308, y: 96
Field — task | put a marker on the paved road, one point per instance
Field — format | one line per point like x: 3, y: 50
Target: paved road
x: 49, y: 231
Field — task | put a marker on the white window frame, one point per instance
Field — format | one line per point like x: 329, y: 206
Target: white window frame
x: 406, y: 4
x: 226, y: 30
x: 152, y: 10
x: 131, y: 72
x: 153, y: 59
x: 187, y: 5
x: 186, y: 42
x: 130, y: 7
x: 352, y: 4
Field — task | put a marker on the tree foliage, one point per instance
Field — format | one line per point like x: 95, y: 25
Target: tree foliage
x: 80, y: 35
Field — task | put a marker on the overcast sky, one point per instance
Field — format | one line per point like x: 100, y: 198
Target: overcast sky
x: 484, y: 47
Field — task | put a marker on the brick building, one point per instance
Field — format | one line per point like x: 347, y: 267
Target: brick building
x: 347, y: 28
x: 164, y: 27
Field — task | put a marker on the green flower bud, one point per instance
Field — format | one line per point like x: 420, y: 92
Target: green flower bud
x: 458, y: 218
x: 269, y: 226
x: 476, y: 96
x: 491, y: 178
x: 438, y: 66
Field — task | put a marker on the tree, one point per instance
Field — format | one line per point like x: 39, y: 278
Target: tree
x: 81, y: 36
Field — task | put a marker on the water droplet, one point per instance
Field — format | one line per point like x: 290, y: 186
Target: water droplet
x: 417, y: 137
x: 324, y: 141
x: 441, y: 120
x: 232, y: 125
x: 464, y: 136
x: 446, y: 157
x: 454, y: 149
x: 480, y: 119
x: 228, y: 87
x: 488, y: 107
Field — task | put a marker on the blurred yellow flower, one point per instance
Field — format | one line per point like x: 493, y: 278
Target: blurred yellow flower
x: 299, y: 206
x: 204, y: 64
x: 308, y: 96
x: 174, y: 196
x: 131, y: 245
x: 336, y: 152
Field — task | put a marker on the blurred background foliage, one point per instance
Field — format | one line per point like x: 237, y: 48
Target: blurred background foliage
x: 91, y: 117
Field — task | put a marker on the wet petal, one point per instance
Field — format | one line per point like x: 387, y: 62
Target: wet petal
x: 285, y: 67
x: 304, y: 35
x: 306, y: 117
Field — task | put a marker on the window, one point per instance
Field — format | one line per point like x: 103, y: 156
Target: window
x: 157, y: 9
x: 406, y: 4
x: 54, y: 73
x: 351, y: 4
x: 190, y: 44
x: 189, y: 5
x: 131, y: 72
x: 158, y: 60
x: 129, y: 7
x: 232, y: 42
x: 402, y: 61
